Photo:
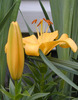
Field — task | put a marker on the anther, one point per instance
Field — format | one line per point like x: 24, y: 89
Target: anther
x: 39, y: 23
x: 34, y: 21
x: 48, y: 21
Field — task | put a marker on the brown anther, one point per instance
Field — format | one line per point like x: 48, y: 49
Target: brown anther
x: 48, y: 21
x: 44, y: 19
x: 39, y: 23
x: 34, y: 21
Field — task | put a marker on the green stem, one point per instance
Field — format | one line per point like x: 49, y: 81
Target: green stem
x: 16, y: 82
x: 42, y: 84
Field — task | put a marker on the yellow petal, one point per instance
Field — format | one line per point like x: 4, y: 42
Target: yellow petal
x: 32, y: 49
x: 67, y: 42
x: 30, y: 39
x: 48, y: 46
x: 70, y: 43
x: 63, y: 44
x: 15, y: 53
x: 63, y: 36
x: 47, y: 37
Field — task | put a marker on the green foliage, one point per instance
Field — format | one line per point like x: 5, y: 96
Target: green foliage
x: 64, y: 14
x: 29, y: 29
x: 45, y: 13
x: 57, y: 71
x: 8, y: 13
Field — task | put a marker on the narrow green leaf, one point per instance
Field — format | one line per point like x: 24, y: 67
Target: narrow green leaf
x: 31, y: 76
x: 74, y: 34
x: 48, y: 75
x: 37, y: 95
x: 31, y: 89
x: 50, y: 85
x: 5, y: 97
x: 25, y: 93
x: 6, y: 17
x: 19, y: 96
x: 75, y: 99
x: 18, y: 87
x: 68, y: 63
x: 30, y: 31
x: 45, y: 13
x: 11, y: 87
x: 7, y: 93
x: 34, y: 71
x: 28, y: 81
x: 68, y: 69
x: 15, y: 10
x: 57, y: 71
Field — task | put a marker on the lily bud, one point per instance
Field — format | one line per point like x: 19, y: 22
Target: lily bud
x: 14, y: 51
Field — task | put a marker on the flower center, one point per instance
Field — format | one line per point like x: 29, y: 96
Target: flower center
x: 41, y: 28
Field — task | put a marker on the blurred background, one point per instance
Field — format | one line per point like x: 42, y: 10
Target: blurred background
x: 31, y: 10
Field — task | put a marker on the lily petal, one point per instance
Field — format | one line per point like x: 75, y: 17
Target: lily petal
x: 32, y: 49
x: 30, y: 39
x: 48, y: 46
x: 47, y: 37
x: 14, y: 51
x: 70, y: 43
x: 63, y: 44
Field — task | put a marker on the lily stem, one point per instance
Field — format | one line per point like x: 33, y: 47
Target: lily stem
x: 42, y: 84
x: 16, y: 83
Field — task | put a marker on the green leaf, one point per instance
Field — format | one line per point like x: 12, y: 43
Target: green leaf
x: 48, y: 75
x: 6, y: 17
x: 75, y: 99
x: 45, y: 13
x: 18, y: 87
x: 15, y: 10
x: 68, y: 63
x: 7, y: 93
x: 50, y: 85
x: 28, y: 81
x: 30, y: 91
x: 11, y: 87
x: 25, y: 93
x: 5, y: 97
x: 34, y: 71
x: 37, y: 95
x: 57, y: 71
x: 6, y: 10
x: 75, y: 28
x: 19, y: 96
x: 30, y: 31
x: 68, y: 69
x: 29, y: 75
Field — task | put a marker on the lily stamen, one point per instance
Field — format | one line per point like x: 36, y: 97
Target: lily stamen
x: 34, y: 21
x: 49, y: 23
x: 46, y: 41
x: 41, y: 29
x: 37, y: 30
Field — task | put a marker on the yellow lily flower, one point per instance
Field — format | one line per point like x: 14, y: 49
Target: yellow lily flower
x: 46, y: 41
x: 14, y: 51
